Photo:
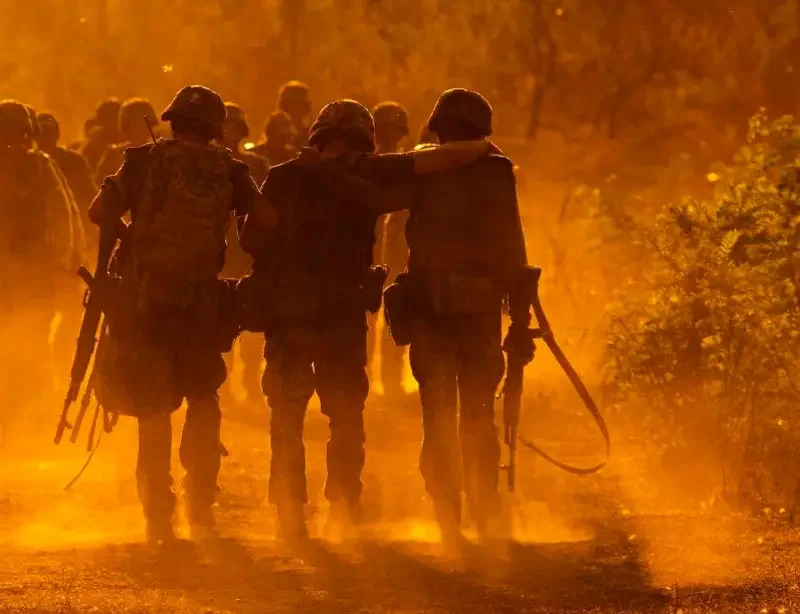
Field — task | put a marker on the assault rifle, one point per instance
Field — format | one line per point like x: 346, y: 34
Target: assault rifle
x: 512, y: 390
x: 94, y: 301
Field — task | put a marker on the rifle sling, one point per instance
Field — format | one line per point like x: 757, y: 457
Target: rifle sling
x: 582, y: 391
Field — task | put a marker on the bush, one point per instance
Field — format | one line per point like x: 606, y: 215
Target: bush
x: 711, y: 351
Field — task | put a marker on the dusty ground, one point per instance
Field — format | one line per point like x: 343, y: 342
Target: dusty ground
x: 600, y: 544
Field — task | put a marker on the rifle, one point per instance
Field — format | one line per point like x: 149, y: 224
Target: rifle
x: 513, y: 387
x: 94, y: 301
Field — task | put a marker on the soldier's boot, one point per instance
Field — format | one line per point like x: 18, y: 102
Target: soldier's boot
x: 292, y: 528
x: 153, y: 479
x: 448, y: 516
x: 160, y: 532
x: 343, y: 517
x: 202, y: 522
x: 201, y: 453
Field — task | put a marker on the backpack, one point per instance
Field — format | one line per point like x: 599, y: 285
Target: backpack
x: 181, y: 214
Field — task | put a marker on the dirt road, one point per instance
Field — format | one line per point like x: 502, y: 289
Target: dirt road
x: 601, y: 544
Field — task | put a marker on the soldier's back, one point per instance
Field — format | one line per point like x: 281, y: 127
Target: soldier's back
x: 460, y: 218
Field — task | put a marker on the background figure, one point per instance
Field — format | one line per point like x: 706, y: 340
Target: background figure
x: 294, y: 99
x: 37, y: 253
x: 391, y: 130
x: 280, y: 135
x: 72, y: 164
x: 103, y: 131
x: 237, y: 264
x: 136, y: 118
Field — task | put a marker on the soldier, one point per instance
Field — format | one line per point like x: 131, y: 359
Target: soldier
x: 238, y: 263
x: 280, y: 135
x: 180, y: 193
x: 136, y: 119
x: 391, y: 129
x: 320, y: 266
x: 466, y: 246
x: 234, y: 131
x: 72, y: 164
x: 294, y: 100
x: 36, y: 252
x: 103, y: 131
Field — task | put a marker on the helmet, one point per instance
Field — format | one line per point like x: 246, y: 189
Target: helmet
x: 197, y: 103
x: 294, y: 94
x: 464, y: 105
x: 391, y: 116
x: 48, y: 125
x: 236, y: 114
x: 15, y: 122
x: 134, y: 110
x: 107, y: 112
x: 346, y: 118
x: 277, y: 123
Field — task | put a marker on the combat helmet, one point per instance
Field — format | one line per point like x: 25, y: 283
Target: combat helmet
x: 15, y: 121
x: 294, y: 94
x: 344, y: 118
x: 391, y: 117
x: 235, y: 114
x: 465, y: 106
x: 197, y: 103
x: 134, y: 110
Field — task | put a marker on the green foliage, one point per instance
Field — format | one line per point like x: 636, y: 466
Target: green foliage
x: 711, y: 352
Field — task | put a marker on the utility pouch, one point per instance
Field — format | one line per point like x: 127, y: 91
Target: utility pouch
x: 398, y: 306
x: 460, y: 294
x: 372, y: 289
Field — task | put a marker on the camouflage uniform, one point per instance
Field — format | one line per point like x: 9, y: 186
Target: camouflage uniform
x: 391, y: 127
x: 323, y: 252
x: 294, y: 100
x: 133, y: 133
x: 280, y: 136
x: 238, y: 263
x: 37, y: 252
x: 466, y: 243
x: 166, y: 330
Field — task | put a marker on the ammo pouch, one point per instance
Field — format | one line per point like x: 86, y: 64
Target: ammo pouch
x: 449, y: 293
x: 398, y: 308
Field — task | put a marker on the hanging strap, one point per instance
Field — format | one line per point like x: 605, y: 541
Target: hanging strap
x: 548, y: 337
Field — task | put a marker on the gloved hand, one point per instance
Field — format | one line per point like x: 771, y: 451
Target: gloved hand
x: 519, y: 343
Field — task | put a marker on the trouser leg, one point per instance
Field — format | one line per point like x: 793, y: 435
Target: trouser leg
x: 288, y: 384
x: 201, y: 451
x: 342, y: 385
x: 153, y: 479
x: 481, y: 367
x: 433, y: 366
